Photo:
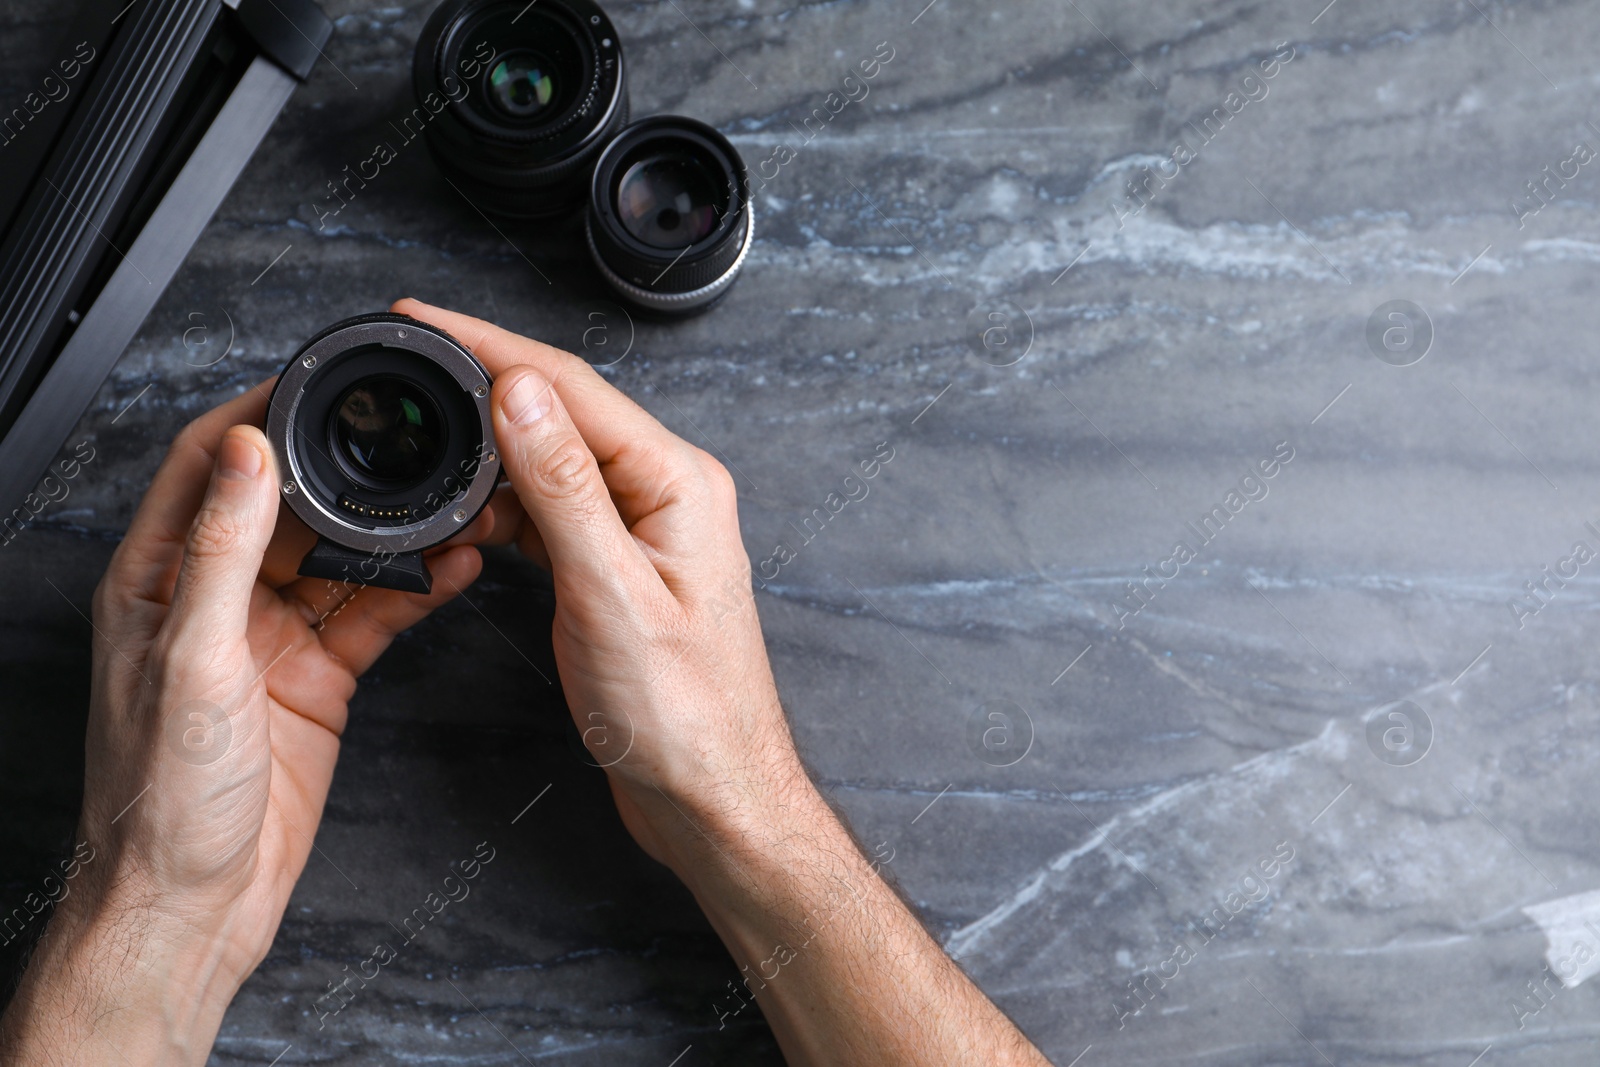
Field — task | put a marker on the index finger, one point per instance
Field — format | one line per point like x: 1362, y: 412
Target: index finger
x: 642, y: 462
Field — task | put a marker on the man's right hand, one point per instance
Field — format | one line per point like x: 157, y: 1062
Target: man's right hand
x: 656, y: 635
x: 664, y: 667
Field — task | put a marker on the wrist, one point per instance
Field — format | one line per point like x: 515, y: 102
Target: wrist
x: 742, y: 846
x: 114, y: 971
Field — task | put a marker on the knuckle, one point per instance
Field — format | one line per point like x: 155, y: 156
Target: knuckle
x: 214, y: 533
x: 724, y: 492
x: 564, y: 469
x: 182, y: 661
x: 161, y: 658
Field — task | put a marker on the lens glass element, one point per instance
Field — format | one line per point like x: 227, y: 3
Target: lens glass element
x: 388, y: 430
x: 669, y: 200
x: 522, y: 84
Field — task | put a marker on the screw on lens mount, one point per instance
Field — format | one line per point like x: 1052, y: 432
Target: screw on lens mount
x: 383, y: 434
x: 518, y: 99
x: 670, y: 220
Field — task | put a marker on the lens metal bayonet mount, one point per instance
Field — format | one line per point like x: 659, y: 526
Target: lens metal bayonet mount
x: 383, y: 434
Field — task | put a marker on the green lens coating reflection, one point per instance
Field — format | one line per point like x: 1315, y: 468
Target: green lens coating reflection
x: 389, y: 430
x: 521, y: 85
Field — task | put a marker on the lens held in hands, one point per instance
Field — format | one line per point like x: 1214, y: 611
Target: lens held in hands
x: 669, y: 215
x: 384, y: 441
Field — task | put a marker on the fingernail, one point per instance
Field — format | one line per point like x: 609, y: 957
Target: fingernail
x: 238, y: 458
x: 526, y: 402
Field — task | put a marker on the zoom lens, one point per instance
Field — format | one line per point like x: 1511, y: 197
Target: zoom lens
x: 518, y: 99
x: 383, y: 436
x: 669, y: 215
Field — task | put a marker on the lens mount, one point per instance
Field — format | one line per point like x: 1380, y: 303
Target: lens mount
x: 382, y: 430
x: 670, y: 221
x: 518, y: 98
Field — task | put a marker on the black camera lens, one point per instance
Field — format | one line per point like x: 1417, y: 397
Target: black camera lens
x: 388, y: 432
x: 669, y: 215
x: 384, y: 439
x: 517, y: 99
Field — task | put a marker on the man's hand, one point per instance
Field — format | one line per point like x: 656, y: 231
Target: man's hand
x: 665, y: 669
x: 219, y: 694
x: 656, y: 636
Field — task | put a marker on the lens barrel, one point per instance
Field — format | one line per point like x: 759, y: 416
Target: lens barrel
x: 518, y: 99
x: 383, y: 435
x: 669, y: 221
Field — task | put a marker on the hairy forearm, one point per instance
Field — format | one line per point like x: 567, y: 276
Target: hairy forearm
x: 842, y: 970
x: 112, y: 984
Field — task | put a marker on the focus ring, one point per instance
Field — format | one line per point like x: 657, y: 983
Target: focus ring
x: 677, y: 302
x: 680, y: 277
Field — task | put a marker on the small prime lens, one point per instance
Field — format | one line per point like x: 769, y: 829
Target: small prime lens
x: 388, y: 432
x: 517, y: 100
x: 669, y: 215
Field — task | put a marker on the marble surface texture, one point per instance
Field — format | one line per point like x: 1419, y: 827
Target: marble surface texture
x: 1298, y: 789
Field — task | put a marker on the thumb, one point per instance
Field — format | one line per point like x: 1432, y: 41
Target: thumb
x: 222, y: 555
x: 559, y: 483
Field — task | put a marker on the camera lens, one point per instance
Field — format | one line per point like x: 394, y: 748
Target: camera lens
x: 388, y: 431
x: 384, y: 440
x: 669, y: 215
x: 517, y: 99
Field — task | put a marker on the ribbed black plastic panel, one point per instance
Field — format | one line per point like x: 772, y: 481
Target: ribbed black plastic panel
x: 90, y: 179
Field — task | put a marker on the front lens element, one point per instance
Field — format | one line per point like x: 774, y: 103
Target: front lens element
x: 389, y: 431
x: 669, y: 201
x: 522, y: 84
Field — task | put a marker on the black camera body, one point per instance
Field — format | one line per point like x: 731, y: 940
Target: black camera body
x: 112, y: 169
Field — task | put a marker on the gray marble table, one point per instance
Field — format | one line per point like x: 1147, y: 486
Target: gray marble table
x: 1090, y: 270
